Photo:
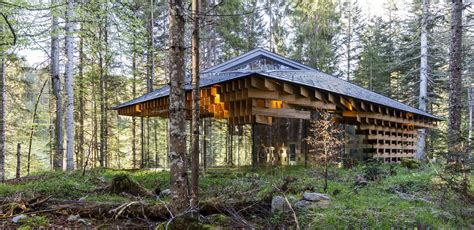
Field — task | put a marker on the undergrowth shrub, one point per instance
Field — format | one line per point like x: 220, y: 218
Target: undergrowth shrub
x: 373, y: 171
x: 410, y: 163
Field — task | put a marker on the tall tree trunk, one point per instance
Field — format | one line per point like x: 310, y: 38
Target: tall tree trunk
x: 134, y: 95
x: 104, y: 64
x: 151, y: 49
x: 150, y: 73
x: 470, y: 114
x: 177, y: 124
x: 142, y: 143
x: 50, y: 128
x: 69, y: 86
x: 205, y: 142
x: 454, y: 124
x: 147, y: 142
x: 56, y: 81
x: 94, y: 138
x: 117, y: 135
x: 349, y: 36
x: 80, y: 134
x: 102, y: 105
x: 423, y: 98
x: 196, y: 103
x: 2, y: 117
x: 32, y: 129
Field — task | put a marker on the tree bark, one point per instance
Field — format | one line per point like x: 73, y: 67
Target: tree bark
x: 177, y: 128
x: 103, y: 95
x: 56, y: 81
x: 349, y: 36
x: 50, y: 128
x: 470, y: 114
x: 69, y: 86
x: 134, y: 95
x: 151, y: 48
x: 455, y: 59
x: 2, y: 117
x: 196, y: 103
x: 204, y: 144
x: 95, y: 125
x: 423, y: 98
x: 80, y: 134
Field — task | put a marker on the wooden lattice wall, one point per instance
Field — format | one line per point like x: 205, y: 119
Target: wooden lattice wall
x: 389, y: 134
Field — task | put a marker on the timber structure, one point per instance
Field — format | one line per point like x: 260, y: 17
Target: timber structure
x: 277, y: 97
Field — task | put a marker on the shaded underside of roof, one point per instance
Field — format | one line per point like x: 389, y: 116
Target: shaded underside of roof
x: 309, y: 78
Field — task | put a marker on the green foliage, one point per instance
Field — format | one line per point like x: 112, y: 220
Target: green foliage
x: 373, y: 171
x: 33, y: 222
x: 410, y: 163
x: 376, y: 205
x: 316, y: 27
x: 373, y: 71
x: 241, y: 32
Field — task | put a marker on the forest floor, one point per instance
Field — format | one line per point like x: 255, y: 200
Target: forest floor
x: 397, y: 197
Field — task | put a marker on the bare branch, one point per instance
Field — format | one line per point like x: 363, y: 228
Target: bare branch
x: 11, y: 30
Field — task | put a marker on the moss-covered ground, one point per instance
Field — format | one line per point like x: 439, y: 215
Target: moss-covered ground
x: 375, y: 205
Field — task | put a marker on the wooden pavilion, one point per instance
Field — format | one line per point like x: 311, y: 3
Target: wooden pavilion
x: 276, y: 97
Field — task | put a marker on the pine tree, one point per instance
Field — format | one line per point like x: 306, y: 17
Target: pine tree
x: 177, y: 124
x: 352, y: 27
x: 56, y: 81
x: 423, y: 98
x: 373, y: 68
x: 69, y: 86
x: 316, y: 26
x: 455, y: 63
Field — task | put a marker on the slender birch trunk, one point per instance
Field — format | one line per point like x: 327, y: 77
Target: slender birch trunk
x: 69, y: 82
x: 80, y: 146
x: 423, y: 98
x: 177, y: 125
x: 32, y: 129
x: 196, y: 104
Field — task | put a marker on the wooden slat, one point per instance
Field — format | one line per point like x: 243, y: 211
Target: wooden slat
x: 284, y: 113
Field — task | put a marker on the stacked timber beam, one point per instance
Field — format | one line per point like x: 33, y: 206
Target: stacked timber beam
x: 390, y: 134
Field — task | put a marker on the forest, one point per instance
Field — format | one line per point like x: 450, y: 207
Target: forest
x: 247, y: 114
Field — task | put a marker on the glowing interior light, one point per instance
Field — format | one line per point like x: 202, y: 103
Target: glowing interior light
x: 277, y: 104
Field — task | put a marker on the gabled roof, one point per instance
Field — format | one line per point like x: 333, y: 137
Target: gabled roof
x: 291, y: 72
x: 252, y: 55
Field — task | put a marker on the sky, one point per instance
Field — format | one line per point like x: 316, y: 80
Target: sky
x: 370, y: 8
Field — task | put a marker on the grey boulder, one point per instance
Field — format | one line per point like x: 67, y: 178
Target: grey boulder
x: 314, y: 196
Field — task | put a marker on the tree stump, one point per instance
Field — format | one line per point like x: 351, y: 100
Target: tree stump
x: 124, y: 184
